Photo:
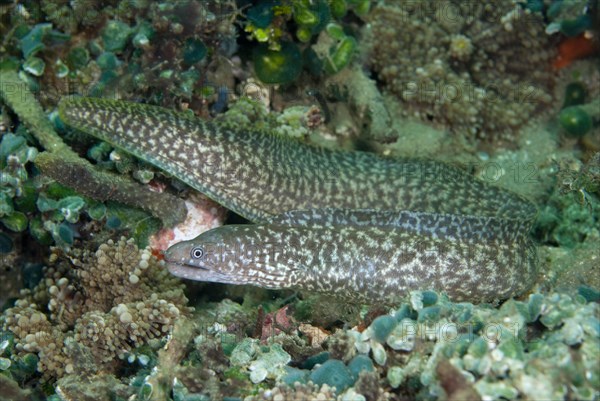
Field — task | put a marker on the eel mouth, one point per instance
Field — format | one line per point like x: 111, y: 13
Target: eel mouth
x: 187, y: 271
x: 184, y: 270
x: 180, y: 267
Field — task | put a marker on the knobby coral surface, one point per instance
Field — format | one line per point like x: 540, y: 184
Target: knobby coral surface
x: 95, y: 306
x: 482, y: 69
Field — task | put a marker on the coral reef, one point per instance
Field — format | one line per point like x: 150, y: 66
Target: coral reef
x: 366, y: 104
x: 95, y: 305
x: 64, y: 165
x: 278, y: 59
x: 299, y: 392
x: 571, y: 18
x: 570, y: 214
x: 431, y: 348
x: 89, y: 318
x: 480, y: 70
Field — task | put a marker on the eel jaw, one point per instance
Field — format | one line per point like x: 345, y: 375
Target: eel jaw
x: 184, y: 270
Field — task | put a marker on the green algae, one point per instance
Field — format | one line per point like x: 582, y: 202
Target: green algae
x: 277, y: 66
x: 575, y: 121
x: 116, y: 35
x: 333, y: 373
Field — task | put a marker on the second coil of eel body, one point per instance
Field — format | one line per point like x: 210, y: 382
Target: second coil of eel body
x: 349, y: 224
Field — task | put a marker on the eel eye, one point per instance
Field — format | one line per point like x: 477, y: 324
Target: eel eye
x: 197, y: 252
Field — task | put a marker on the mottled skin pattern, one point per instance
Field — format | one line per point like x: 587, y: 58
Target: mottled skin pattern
x: 260, y: 176
x: 364, y: 262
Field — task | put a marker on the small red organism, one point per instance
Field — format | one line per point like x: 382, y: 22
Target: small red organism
x: 157, y: 253
x: 277, y: 322
x: 574, y: 48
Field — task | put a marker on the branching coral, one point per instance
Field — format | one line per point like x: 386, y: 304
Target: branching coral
x: 119, y: 273
x: 109, y: 301
x: 478, y: 68
x: 125, y: 327
x: 35, y: 334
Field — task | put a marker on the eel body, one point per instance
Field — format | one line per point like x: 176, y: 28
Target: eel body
x: 398, y: 224
x: 365, y: 255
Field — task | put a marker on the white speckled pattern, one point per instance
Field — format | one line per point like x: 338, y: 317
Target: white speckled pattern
x: 455, y: 233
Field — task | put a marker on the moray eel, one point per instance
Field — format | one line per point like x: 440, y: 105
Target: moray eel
x: 350, y: 224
